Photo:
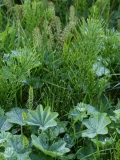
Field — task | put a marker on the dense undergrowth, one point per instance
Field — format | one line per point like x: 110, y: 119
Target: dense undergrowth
x: 59, y: 80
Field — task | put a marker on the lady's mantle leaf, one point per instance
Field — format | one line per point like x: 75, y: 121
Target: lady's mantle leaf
x: 40, y: 156
x: 100, y: 69
x: 89, y: 109
x: 16, y: 145
x: 42, y: 118
x: 15, y: 116
x: 4, y: 136
x: 4, y: 124
x: 85, y: 153
x: 10, y: 153
x: 81, y: 111
x: 96, y: 125
x: 104, y: 142
x: 2, y: 157
x: 56, y: 149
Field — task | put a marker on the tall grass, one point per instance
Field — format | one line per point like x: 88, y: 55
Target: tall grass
x: 62, y: 64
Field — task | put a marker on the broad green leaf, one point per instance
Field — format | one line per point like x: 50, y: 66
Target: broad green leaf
x: 56, y: 149
x: 42, y: 118
x: 60, y: 128
x: 100, y: 69
x: 23, y: 156
x: 15, y: 116
x: 104, y: 142
x: 10, y: 153
x: 78, y: 113
x: 85, y: 153
x: 16, y: 147
x: 116, y: 123
x: 118, y: 130
x: 114, y: 119
x: 59, y: 148
x: 117, y: 114
x: 35, y: 82
x: 86, y: 109
x: 90, y: 109
x: 69, y: 139
x: 117, y: 14
x: 17, y: 142
x: 4, y: 124
x: 2, y: 157
x: 4, y: 136
x: 70, y: 156
x: 96, y: 125
x: 40, y: 156
x: 53, y: 132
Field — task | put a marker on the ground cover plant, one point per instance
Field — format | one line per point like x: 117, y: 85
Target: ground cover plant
x: 59, y: 80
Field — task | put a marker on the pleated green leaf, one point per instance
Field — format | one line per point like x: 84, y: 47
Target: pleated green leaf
x: 54, y: 150
x: 4, y: 124
x: 42, y: 118
x: 96, y: 125
x: 15, y: 116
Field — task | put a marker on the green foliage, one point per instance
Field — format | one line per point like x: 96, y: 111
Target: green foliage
x: 15, y: 69
x: 59, y: 54
x: 101, y: 9
x: 82, y: 108
x: 64, y: 6
x: 48, y: 139
x: 4, y: 124
x: 42, y: 118
x: 15, y: 147
x: 33, y: 12
x: 104, y: 142
x: 15, y: 116
x: 56, y: 149
x: 0, y: 20
x: 85, y: 153
x: 96, y: 125
x: 83, y: 58
x: 7, y: 37
x: 117, y: 150
x: 81, y: 7
x: 30, y: 99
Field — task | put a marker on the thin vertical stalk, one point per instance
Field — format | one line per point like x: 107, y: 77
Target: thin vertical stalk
x: 98, y: 149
